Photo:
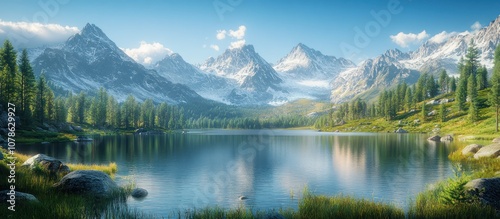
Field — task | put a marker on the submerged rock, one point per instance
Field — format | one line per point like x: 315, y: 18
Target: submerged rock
x: 447, y: 138
x: 400, y: 130
x: 87, y: 182
x: 434, y: 138
x: 139, y: 193
x: 471, y: 149
x: 492, y: 151
x: 46, y: 163
x: 487, y: 190
x: 242, y: 198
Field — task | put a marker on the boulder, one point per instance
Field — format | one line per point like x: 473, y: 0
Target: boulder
x: 20, y: 196
x: 46, y: 163
x: 77, y: 128
x: 447, y: 138
x: 471, y: 149
x: 487, y: 190
x: 434, y: 138
x: 496, y: 140
x: 432, y: 113
x: 139, y: 193
x: 90, y: 183
x: 400, y: 130
x: 492, y: 150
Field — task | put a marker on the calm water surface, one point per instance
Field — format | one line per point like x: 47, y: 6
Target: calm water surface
x: 270, y: 167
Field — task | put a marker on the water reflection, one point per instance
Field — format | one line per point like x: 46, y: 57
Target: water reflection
x: 215, y: 167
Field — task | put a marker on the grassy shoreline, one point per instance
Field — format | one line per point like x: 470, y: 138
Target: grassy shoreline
x: 428, y: 204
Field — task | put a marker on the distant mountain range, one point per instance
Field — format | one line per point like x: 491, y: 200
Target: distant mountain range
x: 240, y: 76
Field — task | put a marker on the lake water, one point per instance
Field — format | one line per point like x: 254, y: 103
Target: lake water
x: 271, y: 167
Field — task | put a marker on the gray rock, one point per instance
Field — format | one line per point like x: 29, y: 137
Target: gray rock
x: 400, y: 130
x: 46, y: 163
x: 471, y: 149
x: 432, y: 113
x: 447, y: 138
x: 20, y: 196
x: 91, y: 183
x: 434, y: 138
x: 77, y: 128
x: 492, y: 150
x: 242, y: 198
x: 496, y: 140
x: 139, y: 193
x: 487, y: 190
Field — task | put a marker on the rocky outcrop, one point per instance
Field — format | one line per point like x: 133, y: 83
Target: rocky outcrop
x: 46, y: 163
x: 448, y: 138
x: 19, y: 196
x: 90, y: 183
x: 492, y: 151
x: 400, y: 130
x: 496, y: 140
x: 139, y: 193
x: 487, y: 190
x: 434, y: 138
x: 471, y: 149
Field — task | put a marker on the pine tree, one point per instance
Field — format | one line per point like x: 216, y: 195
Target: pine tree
x: 474, y: 106
x: 442, y: 112
x: 408, y: 99
x: 482, y: 78
x: 49, y: 104
x: 452, y: 85
x: 461, y: 93
x: 431, y: 86
x: 26, y: 87
x: 443, y: 82
x: 81, y: 103
x: 8, y: 64
x: 424, y: 112
x: 494, y: 95
x: 40, y: 99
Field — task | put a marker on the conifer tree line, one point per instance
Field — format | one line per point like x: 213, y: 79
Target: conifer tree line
x: 403, y: 98
x: 37, y: 103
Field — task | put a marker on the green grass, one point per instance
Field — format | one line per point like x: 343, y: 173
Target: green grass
x: 457, y: 123
x: 53, y: 204
x: 29, y: 137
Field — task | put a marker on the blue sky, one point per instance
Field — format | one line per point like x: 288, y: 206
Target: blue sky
x: 190, y: 27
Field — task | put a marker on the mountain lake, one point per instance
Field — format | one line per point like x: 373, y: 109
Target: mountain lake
x: 271, y: 168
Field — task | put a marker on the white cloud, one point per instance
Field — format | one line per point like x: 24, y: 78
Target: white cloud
x: 476, y: 26
x: 238, y: 34
x: 29, y: 35
x: 406, y: 39
x: 237, y: 37
x: 237, y: 44
x: 148, y: 53
x: 221, y: 34
x: 215, y: 47
x: 441, y: 37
